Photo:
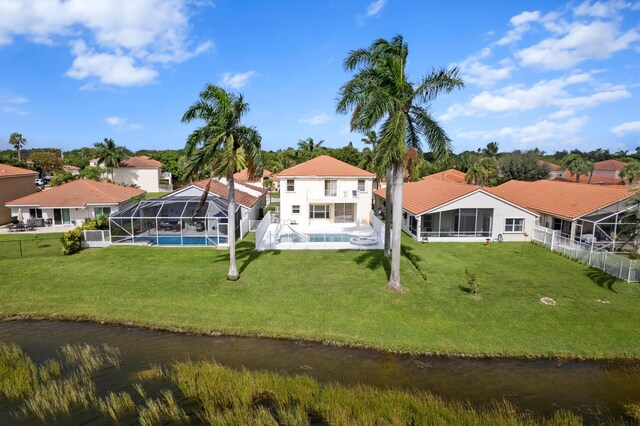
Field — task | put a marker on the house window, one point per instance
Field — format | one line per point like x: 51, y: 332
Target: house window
x: 413, y: 225
x: 319, y: 211
x: 102, y: 211
x: 61, y: 217
x: 361, y: 185
x: 514, y: 225
x: 295, y: 209
x: 330, y: 188
x: 344, y: 212
x: 291, y: 187
x: 35, y: 213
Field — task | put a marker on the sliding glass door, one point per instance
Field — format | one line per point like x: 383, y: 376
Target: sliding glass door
x: 61, y: 217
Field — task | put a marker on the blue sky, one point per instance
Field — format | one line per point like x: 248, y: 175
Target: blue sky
x: 552, y: 75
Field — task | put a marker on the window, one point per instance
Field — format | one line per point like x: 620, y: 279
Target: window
x: 102, y: 211
x: 35, y: 213
x: 514, y: 225
x: 413, y: 225
x: 319, y: 211
x: 291, y: 187
x: 330, y: 188
x: 343, y: 213
x: 361, y: 185
x: 61, y: 217
x: 295, y: 209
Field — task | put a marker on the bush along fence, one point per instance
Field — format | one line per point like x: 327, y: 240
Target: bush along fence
x: 72, y: 239
x: 611, y: 263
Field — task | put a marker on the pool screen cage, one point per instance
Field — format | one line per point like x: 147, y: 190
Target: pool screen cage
x: 170, y: 221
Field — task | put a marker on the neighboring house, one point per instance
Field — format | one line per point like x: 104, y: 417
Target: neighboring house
x: 325, y: 190
x: 451, y: 175
x: 94, y: 162
x: 143, y: 172
x: 604, y: 173
x: 73, y: 202
x: 442, y: 211
x: 14, y: 183
x: 75, y: 171
x: 243, y: 177
x: 555, y: 171
x: 578, y: 211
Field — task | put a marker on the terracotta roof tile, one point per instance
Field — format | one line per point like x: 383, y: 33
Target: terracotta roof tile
x: 552, y: 166
x: 324, y: 165
x: 609, y: 165
x: 142, y: 162
x: 451, y: 175
x: 561, y: 199
x: 428, y: 194
x: 79, y: 193
x: 220, y: 188
x: 595, y: 180
x: 11, y: 171
x: 243, y: 175
x: 70, y: 167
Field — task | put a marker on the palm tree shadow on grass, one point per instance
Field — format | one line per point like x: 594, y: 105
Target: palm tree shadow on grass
x: 374, y: 259
x: 602, y: 279
x: 247, y: 253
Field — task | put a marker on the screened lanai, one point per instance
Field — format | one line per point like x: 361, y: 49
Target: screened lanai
x: 170, y: 221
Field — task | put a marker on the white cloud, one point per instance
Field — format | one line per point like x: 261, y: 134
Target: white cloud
x: 375, y: 7
x: 111, y: 69
x: 624, y: 128
x: 520, y: 25
x: 10, y: 104
x: 136, y: 126
x: 545, y: 93
x: 137, y: 33
x: 544, y: 132
x: 475, y: 72
x: 315, y: 120
x: 599, y: 9
x: 115, y: 121
x: 594, y: 40
x: 237, y: 80
x: 16, y: 100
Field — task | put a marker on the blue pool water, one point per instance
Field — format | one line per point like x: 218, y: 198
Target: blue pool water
x: 317, y: 238
x: 187, y: 241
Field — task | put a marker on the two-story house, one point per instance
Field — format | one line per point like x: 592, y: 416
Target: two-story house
x: 140, y: 171
x: 325, y: 190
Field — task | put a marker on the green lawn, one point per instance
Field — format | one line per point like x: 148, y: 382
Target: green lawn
x: 340, y: 296
x: 149, y: 195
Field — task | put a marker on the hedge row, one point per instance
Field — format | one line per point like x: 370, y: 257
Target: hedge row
x: 72, y: 239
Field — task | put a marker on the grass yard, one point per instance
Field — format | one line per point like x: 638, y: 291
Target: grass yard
x: 340, y: 296
x: 149, y: 195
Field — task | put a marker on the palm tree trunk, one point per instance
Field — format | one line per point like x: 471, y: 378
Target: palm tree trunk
x: 18, y: 153
x: 231, y: 228
x: 394, y: 278
x: 590, y: 176
x: 388, y: 213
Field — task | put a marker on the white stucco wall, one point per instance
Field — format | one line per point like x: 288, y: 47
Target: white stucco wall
x: 147, y: 179
x: 311, y: 191
x: 76, y: 214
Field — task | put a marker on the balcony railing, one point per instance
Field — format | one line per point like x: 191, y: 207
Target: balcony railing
x: 332, y: 195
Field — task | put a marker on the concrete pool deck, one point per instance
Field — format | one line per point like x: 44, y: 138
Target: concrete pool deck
x: 272, y: 241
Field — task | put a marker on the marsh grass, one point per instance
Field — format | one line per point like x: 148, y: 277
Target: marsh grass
x: 633, y: 411
x: 89, y: 359
x: 154, y: 372
x: 229, y: 396
x: 49, y: 400
x: 161, y: 410
x: 18, y: 374
x: 115, y: 405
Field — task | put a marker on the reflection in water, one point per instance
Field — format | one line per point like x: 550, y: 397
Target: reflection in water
x: 591, y: 389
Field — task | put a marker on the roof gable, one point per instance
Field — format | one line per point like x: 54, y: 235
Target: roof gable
x: 142, y: 162
x: 245, y: 194
x: 12, y: 171
x: 324, y: 165
x: 451, y: 175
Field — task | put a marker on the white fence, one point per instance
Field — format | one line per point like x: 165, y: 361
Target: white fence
x: 262, y: 228
x: 611, y: 263
x: 96, y: 238
x: 378, y: 226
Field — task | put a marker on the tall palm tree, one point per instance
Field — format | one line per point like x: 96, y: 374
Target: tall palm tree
x: 110, y: 155
x: 380, y: 92
x: 577, y: 165
x: 631, y: 171
x: 225, y: 145
x: 18, y: 142
x: 491, y: 149
x: 309, y: 148
x: 477, y: 174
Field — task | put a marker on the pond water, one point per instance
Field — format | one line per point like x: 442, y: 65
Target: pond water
x: 595, y: 390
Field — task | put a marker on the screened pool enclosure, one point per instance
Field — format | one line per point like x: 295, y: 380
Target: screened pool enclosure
x: 170, y: 221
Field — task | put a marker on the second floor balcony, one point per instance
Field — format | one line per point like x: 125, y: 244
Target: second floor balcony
x: 335, y: 195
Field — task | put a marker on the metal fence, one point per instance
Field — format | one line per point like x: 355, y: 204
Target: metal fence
x: 611, y: 263
x: 95, y: 238
x: 35, y: 246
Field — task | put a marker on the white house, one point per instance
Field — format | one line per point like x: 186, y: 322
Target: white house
x: 141, y: 171
x: 325, y: 190
x: 441, y: 210
x: 73, y: 202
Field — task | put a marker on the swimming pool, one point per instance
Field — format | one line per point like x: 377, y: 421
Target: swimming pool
x: 186, y: 241
x: 316, y: 238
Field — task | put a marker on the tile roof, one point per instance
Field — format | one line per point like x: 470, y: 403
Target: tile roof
x: 142, y: 162
x: 243, y: 175
x: 595, y: 180
x: 451, y: 175
x: 324, y: 165
x: 245, y: 194
x: 428, y: 194
x: 70, y: 167
x: 562, y: 199
x: 11, y: 171
x: 609, y: 165
x: 79, y: 193
x: 552, y: 166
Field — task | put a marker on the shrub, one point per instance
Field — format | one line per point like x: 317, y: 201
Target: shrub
x: 72, y: 239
